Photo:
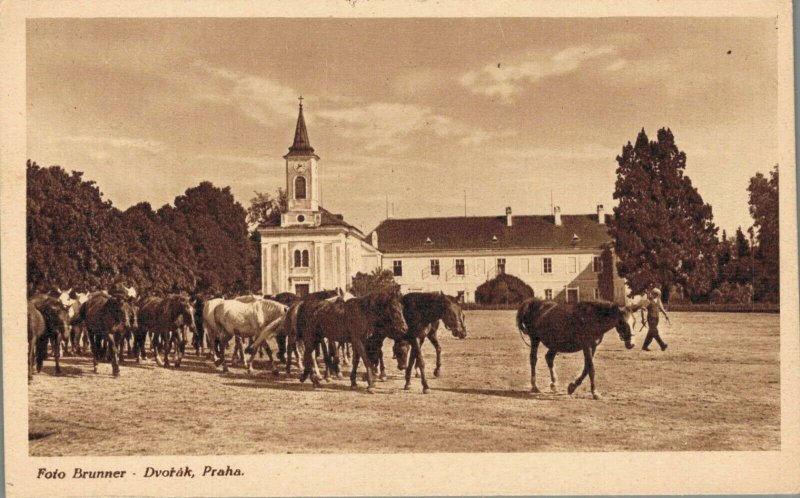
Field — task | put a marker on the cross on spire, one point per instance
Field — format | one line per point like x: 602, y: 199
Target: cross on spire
x: 301, y: 144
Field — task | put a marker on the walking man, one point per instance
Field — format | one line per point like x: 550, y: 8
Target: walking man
x: 654, y: 307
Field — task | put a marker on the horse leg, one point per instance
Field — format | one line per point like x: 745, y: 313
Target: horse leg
x: 156, y: 344
x: 534, y: 353
x: 180, y: 347
x: 94, y: 345
x: 314, y: 366
x: 587, y: 366
x: 222, y: 345
x: 57, y: 353
x: 435, y: 341
x: 281, y: 340
x: 112, y: 341
x: 595, y: 392
x: 353, y: 383
x: 167, y: 340
x: 382, y: 366
x: 551, y: 357
x: 360, y: 353
x: 416, y: 348
x: 410, y: 363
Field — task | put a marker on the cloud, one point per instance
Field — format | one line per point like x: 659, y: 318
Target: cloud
x: 503, y: 81
x: 147, y: 145
x: 384, y: 126
x: 259, y: 98
x: 616, y: 65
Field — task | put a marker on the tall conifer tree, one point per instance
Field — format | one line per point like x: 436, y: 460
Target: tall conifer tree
x: 662, y: 230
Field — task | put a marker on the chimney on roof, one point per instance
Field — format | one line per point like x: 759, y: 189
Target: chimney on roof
x: 601, y: 214
x: 557, y: 215
x: 509, y: 221
x: 374, y: 239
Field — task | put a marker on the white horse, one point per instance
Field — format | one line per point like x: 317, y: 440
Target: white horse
x: 637, y: 303
x: 232, y: 318
x: 72, y: 302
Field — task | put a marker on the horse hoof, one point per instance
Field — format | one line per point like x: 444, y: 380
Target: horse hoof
x: 276, y: 372
x: 354, y: 387
x: 535, y: 390
x: 382, y: 378
x: 553, y: 388
x: 370, y: 390
x: 407, y: 387
x: 596, y: 395
x: 425, y: 390
x: 571, y: 388
x: 436, y: 373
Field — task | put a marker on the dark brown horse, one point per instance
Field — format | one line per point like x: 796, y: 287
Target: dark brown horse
x: 569, y: 328
x: 36, y: 327
x: 107, y: 318
x: 167, y: 319
x: 289, y: 298
x: 421, y: 311
x: 354, y: 321
x: 56, y: 327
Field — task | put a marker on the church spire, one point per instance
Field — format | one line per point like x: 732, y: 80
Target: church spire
x: 301, y: 145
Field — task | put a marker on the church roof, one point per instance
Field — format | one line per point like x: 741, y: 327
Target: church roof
x: 301, y: 145
x: 328, y: 220
x: 490, y: 233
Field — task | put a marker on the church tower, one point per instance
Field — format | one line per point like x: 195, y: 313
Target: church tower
x: 302, y: 180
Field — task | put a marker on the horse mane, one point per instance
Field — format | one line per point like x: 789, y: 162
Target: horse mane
x: 599, y: 308
x: 529, y: 307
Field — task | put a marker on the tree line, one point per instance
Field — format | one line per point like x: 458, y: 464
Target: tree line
x: 662, y: 230
x: 75, y: 238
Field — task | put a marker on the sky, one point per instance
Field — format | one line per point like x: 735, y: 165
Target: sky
x: 422, y: 112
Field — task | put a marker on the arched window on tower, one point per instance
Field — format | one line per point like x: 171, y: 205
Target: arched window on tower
x: 297, y: 259
x: 300, y: 187
x: 305, y: 259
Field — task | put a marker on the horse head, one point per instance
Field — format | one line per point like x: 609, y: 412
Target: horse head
x: 66, y: 297
x: 400, y: 353
x: 623, y: 326
x: 453, y: 317
x: 387, y: 304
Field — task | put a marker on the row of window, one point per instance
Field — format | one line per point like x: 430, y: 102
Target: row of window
x: 301, y: 258
x: 547, y: 266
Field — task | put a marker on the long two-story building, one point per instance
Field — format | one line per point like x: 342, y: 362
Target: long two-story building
x: 562, y: 257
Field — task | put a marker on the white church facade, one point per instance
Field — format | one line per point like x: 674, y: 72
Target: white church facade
x: 566, y: 258
x: 311, y: 249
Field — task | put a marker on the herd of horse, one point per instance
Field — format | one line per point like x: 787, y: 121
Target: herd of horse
x: 340, y: 328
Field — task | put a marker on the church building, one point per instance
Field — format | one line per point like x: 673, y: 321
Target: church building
x: 311, y: 249
x: 565, y: 258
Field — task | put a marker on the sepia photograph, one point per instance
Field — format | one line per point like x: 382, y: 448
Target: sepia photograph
x: 296, y: 239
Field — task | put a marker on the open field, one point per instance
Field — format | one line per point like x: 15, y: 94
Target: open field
x: 715, y: 388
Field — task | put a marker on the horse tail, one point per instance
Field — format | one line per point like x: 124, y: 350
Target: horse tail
x: 521, y: 313
x: 41, y: 351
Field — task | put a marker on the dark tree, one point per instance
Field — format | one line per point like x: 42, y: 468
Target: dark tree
x: 764, y: 209
x: 503, y: 289
x: 662, y: 230
x: 364, y: 283
x: 266, y: 210
x: 66, y: 218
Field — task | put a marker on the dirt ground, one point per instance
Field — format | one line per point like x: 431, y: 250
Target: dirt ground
x: 715, y: 388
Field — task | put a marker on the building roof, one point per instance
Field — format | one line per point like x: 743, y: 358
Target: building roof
x: 490, y: 233
x: 328, y: 220
x: 301, y: 145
